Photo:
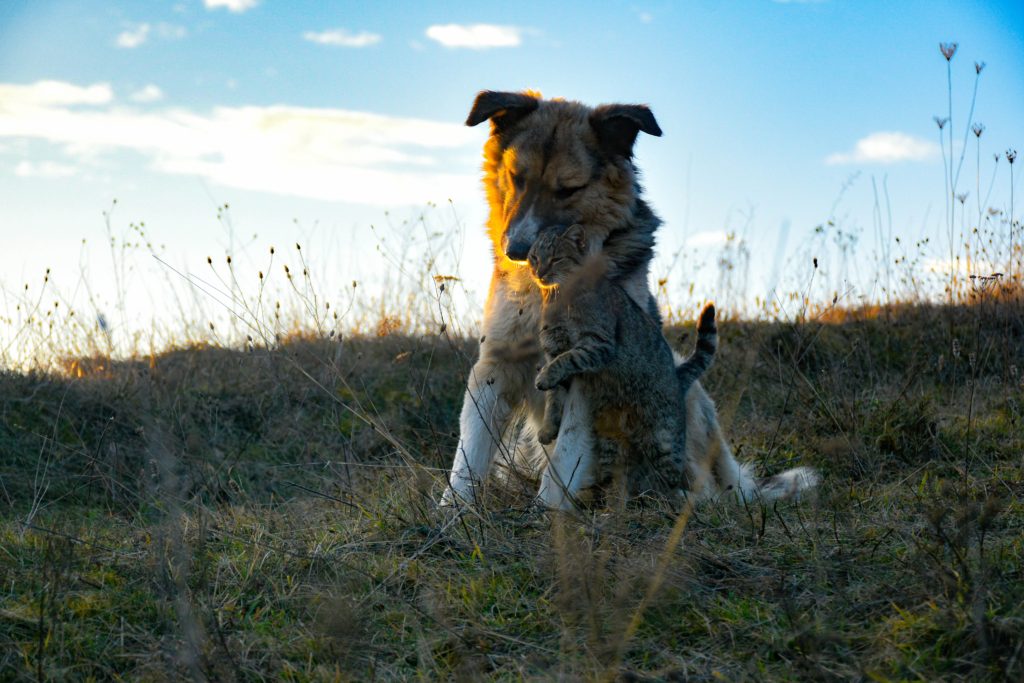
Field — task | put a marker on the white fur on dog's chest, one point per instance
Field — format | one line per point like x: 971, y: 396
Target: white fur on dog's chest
x: 515, y: 315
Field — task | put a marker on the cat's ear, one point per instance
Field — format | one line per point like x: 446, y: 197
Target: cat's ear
x: 577, y: 235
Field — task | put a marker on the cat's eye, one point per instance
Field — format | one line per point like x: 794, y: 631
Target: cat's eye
x: 566, y: 192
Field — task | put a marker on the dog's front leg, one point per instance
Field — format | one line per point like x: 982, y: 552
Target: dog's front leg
x: 570, y: 468
x: 485, y: 416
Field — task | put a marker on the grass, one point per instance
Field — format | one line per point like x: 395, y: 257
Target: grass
x: 269, y: 515
x: 258, y: 502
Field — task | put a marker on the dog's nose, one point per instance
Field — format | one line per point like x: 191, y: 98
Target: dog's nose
x: 517, y: 251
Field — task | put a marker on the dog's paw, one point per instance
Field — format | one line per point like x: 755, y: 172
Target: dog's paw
x: 450, y: 500
x: 447, y: 500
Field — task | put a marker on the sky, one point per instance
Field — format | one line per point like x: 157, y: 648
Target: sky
x: 334, y: 123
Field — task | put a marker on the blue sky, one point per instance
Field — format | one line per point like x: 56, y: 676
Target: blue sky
x: 313, y: 119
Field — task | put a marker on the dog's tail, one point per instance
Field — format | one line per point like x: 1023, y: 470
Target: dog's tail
x: 787, y: 485
x: 703, y: 355
x: 714, y: 471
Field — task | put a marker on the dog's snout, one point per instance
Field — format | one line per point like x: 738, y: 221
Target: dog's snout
x: 517, y: 250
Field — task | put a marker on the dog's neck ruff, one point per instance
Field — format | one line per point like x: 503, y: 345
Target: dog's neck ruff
x: 629, y: 248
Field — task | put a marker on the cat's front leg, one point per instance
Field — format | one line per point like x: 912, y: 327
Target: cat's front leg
x: 554, y: 404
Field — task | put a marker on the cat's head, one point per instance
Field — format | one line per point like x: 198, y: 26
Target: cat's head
x: 557, y: 254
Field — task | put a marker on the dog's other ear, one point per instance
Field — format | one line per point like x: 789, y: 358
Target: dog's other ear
x: 617, y: 125
x: 502, y: 108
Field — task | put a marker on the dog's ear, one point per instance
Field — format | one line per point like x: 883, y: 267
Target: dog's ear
x: 617, y: 126
x: 502, y: 108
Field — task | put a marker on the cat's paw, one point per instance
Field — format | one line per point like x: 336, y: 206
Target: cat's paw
x: 547, y: 434
x: 546, y: 379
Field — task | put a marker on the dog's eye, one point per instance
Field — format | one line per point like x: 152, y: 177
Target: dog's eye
x: 566, y: 192
x: 519, y: 180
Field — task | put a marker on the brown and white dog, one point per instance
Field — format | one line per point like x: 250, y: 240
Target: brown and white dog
x: 550, y: 163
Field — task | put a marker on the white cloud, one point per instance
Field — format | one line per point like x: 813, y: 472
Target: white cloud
x: 146, y: 94
x: 133, y: 37
x: 961, y: 267
x: 329, y: 154
x: 43, y: 169
x: 886, y: 148
x: 342, y: 38
x: 475, y: 36
x: 645, y: 17
x: 236, y: 6
x: 708, y: 238
x: 53, y: 93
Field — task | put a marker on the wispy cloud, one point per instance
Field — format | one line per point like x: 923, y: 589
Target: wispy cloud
x: 475, y: 36
x: 133, y: 37
x: 708, y: 238
x: 44, y: 169
x: 146, y: 94
x: 236, y: 6
x: 886, y: 148
x: 342, y: 38
x: 329, y: 154
x: 799, y: 2
x: 167, y: 31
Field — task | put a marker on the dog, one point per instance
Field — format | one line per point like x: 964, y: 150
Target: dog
x: 550, y: 163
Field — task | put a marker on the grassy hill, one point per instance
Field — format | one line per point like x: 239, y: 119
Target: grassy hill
x: 268, y: 514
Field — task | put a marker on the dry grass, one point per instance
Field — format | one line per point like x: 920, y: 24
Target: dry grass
x: 249, y: 494
x: 269, y: 514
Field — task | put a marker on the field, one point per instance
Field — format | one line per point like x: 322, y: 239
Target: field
x: 249, y: 493
x: 268, y: 514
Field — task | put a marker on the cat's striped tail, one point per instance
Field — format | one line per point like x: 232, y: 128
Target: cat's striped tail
x: 704, y: 354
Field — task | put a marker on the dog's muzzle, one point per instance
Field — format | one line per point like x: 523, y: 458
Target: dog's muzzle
x: 517, y: 250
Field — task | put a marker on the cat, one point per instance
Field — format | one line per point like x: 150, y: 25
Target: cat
x: 593, y: 333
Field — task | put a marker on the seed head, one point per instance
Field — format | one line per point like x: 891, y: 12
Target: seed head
x: 1011, y: 155
x: 941, y: 123
x: 962, y: 197
x: 209, y: 260
x: 979, y: 67
x: 271, y: 251
x: 948, y: 50
x: 978, y: 129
